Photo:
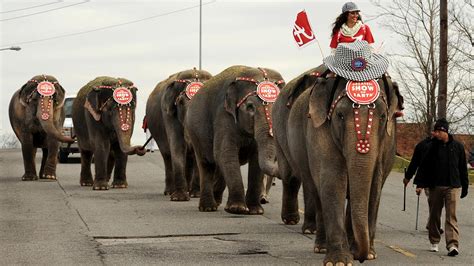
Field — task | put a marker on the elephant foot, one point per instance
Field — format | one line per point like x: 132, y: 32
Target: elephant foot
x: 29, y: 177
x: 372, y: 254
x: 100, y: 185
x: 264, y: 199
x: 180, y: 196
x: 256, y: 210
x: 168, y: 191
x: 86, y: 182
x: 120, y: 184
x: 319, y: 249
x: 236, y: 208
x: 46, y: 177
x: 309, y: 228
x: 204, y: 208
x: 195, y: 194
x: 338, y: 258
x: 290, y: 219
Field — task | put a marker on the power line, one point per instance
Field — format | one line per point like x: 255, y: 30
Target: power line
x: 110, y: 26
x: 31, y: 7
x: 45, y: 11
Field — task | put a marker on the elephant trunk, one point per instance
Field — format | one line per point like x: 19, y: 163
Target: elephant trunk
x: 46, y: 118
x: 266, y: 152
x: 360, y: 179
x: 124, y: 137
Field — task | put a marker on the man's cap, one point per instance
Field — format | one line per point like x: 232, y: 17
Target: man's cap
x: 349, y: 6
x: 442, y: 125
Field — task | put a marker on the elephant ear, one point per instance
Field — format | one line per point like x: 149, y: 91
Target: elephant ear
x: 395, y: 101
x: 169, y: 99
x: 320, y: 100
x: 23, y: 95
x: 60, y: 96
x: 94, y: 100
x: 231, y: 98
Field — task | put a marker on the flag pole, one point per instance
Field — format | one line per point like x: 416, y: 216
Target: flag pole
x: 321, y: 50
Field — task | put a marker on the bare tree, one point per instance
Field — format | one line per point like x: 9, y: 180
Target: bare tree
x: 9, y: 141
x: 416, y: 61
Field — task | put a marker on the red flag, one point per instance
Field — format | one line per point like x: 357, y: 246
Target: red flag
x: 302, y: 31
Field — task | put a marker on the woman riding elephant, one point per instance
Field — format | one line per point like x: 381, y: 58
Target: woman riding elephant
x: 37, y: 116
x: 103, y: 114
x: 229, y: 124
x: 165, y: 110
x: 340, y: 135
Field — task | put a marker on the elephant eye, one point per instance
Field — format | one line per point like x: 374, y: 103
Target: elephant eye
x: 250, y: 107
x: 340, y: 115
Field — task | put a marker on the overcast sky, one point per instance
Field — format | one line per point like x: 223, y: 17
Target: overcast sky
x: 253, y: 33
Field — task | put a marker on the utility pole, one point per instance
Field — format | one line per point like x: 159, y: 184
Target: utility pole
x: 443, y: 59
x: 200, y: 32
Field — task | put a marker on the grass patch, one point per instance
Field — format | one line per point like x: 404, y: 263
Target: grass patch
x: 471, y: 176
x: 400, y: 164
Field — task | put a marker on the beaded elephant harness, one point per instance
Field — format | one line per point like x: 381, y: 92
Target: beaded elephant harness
x: 267, y: 91
x: 47, y: 92
x: 192, y: 86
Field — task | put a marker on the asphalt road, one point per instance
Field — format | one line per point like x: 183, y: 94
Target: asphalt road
x: 61, y: 223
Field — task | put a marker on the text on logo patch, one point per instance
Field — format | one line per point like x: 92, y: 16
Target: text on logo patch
x: 122, y: 95
x: 46, y: 88
x: 268, y: 91
x: 363, y: 92
x: 193, y: 88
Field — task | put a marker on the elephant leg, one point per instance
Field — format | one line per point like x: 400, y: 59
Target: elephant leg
x: 230, y: 167
x: 192, y: 175
x: 120, y: 168
x: 309, y: 194
x: 179, y: 161
x: 29, y: 153
x: 219, y: 186
x: 110, y: 165
x: 320, y: 244
x: 334, y: 195
x: 254, y: 187
x: 374, y: 204
x: 289, y: 209
x: 169, y: 180
x: 101, y: 155
x: 207, y: 203
x: 44, y: 156
x: 50, y: 160
x: 86, y: 174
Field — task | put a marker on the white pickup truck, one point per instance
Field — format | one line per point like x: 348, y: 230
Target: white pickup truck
x: 68, y: 130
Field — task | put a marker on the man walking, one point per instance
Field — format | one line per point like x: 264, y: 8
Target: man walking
x: 445, y: 175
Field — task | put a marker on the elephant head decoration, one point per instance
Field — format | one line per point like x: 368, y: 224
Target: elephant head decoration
x: 229, y: 124
x: 340, y: 135
x: 165, y: 112
x: 36, y: 116
x: 104, y: 115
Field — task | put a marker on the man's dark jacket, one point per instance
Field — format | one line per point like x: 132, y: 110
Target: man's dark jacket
x: 421, y: 149
x: 456, y: 161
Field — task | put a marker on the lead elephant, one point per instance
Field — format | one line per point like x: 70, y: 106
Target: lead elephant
x: 103, y: 114
x: 344, y: 150
x: 229, y: 125
x: 165, y: 111
x: 37, y: 116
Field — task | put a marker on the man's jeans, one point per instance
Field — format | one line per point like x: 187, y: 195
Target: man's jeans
x: 440, y: 197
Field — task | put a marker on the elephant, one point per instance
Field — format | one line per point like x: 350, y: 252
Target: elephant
x: 290, y: 178
x: 228, y: 123
x: 317, y: 143
x: 103, y: 114
x: 37, y: 116
x: 165, y: 111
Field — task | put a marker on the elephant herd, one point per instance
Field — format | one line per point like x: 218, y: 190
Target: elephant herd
x: 305, y: 132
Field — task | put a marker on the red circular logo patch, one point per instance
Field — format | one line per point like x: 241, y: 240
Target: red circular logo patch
x: 122, y: 95
x: 268, y: 91
x: 193, y: 88
x: 46, y: 88
x: 363, y: 92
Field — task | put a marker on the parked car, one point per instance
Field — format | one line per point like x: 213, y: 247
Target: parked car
x: 68, y: 130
